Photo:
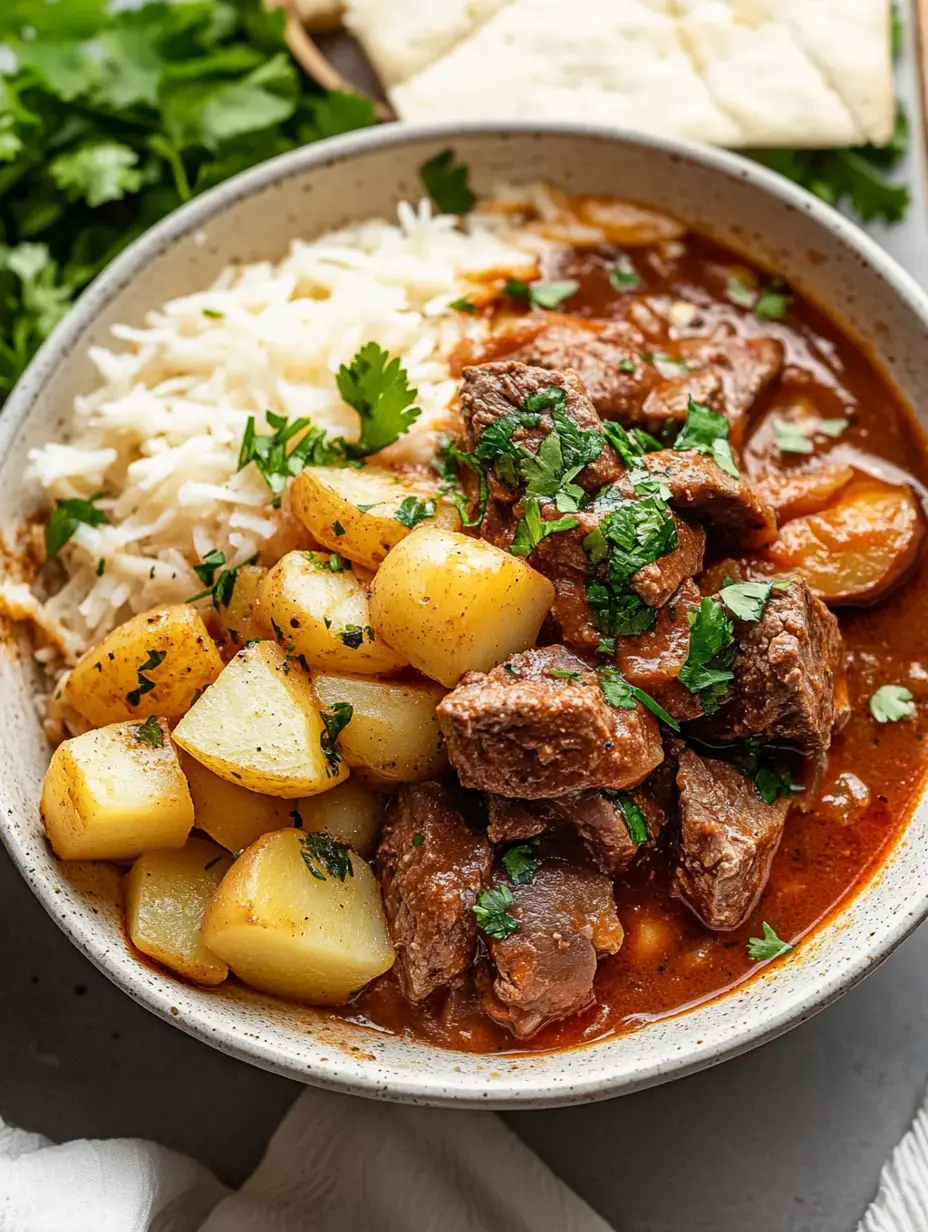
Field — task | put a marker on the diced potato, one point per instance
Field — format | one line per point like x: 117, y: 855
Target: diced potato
x: 351, y: 813
x: 451, y: 604
x: 298, y: 933
x: 114, y: 792
x: 155, y: 663
x: 324, y: 615
x: 859, y: 548
x: 237, y: 621
x: 166, y: 894
x: 259, y: 726
x: 353, y: 512
x: 394, y: 732
x: 797, y: 493
x: 232, y: 815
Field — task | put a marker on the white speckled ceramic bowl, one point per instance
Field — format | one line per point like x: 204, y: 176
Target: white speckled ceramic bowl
x: 255, y: 216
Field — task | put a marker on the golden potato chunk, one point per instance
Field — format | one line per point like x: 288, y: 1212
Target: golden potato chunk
x: 450, y: 604
x: 115, y: 792
x: 323, y: 613
x: 237, y: 622
x: 155, y: 663
x: 166, y: 894
x: 259, y: 726
x: 231, y: 815
x: 362, y: 513
x: 300, y: 917
x: 351, y: 813
x: 394, y: 733
x: 858, y: 549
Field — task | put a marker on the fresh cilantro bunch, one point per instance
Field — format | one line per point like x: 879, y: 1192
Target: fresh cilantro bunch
x: 108, y: 121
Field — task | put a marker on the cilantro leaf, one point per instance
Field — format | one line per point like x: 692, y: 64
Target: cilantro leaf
x: 532, y: 529
x: 377, y: 387
x: 446, y: 462
x: 771, y: 775
x: 747, y: 600
x: 520, y: 863
x: 271, y: 456
x: 623, y: 696
x: 335, y: 113
x: 761, y: 949
x: 463, y: 305
x: 446, y: 182
x: 706, y: 432
x: 413, y: 511
x: 708, y: 666
x: 635, y: 821
x: 334, y: 722
x: 542, y: 294
x: 221, y: 588
x: 630, y: 444
x: 772, y: 305
x: 492, y: 912
x: 65, y: 519
x: 892, y: 702
x: 323, y: 855
x: 98, y: 172
x: 623, y: 276
x: 795, y: 436
x: 145, y: 685
x: 150, y: 733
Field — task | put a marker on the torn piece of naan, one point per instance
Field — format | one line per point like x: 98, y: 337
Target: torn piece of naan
x: 730, y: 72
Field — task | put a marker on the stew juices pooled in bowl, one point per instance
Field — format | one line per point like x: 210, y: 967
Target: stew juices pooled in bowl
x: 497, y: 629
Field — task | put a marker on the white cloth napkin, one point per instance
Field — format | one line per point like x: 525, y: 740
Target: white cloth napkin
x: 335, y: 1164
x: 901, y: 1205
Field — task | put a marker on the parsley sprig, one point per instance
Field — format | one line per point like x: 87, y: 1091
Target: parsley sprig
x: 634, y: 534
x: 623, y: 696
x: 762, y: 949
x: 67, y: 516
x: 323, y: 855
x: 275, y: 462
x: 221, y: 588
x: 635, y: 821
x: 747, y: 600
x: 155, y: 659
x: 892, y: 702
x: 708, y: 667
x: 447, y: 182
x: 412, y: 511
x: 492, y: 912
x: 334, y: 722
x: 767, y: 769
x: 377, y: 387
x: 706, y: 432
x: 520, y: 862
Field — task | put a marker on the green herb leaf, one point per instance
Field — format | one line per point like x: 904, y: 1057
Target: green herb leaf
x: 747, y: 600
x: 631, y: 445
x: 619, y: 693
x: 98, y: 172
x: 334, y: 722
x: 892, y: 702
x: 418, y: 840
x: 770, y: 773
x: 707, y: 432
x: 795, y: 436
x: 520, y: 863
x: 532, y: 529
x: 740, y: 292
x: 155, y: 659
x: 552, y: 294
x: 446, y: 182
x: 150, y: 733
x: 377, y: 387
x: 635, y: 821
x: 492, y: 912
x: 270, y: 454
x: 413, y: 511
x: 353, y: 635
x: 761, y: 949
x: 65, y: 519
x: 708, y: 667
x: 772, y: 305
x: 623, y: 277
x: 333, y: 564
x: 463, y: 305
x: 323, y: 855
x: 221, y: 588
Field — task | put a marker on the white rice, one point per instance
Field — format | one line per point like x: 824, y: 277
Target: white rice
x: 160, y: 436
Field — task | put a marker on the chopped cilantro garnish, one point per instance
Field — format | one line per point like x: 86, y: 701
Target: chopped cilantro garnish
x: 333, y: 564
x: 338, y: 529
x: 270, y: 455
x: 707, y: 432
x: 155, y: 659
x: 623, y: 696
x: 623, y: 277
x: 446, y: 182
x: 446, y: 463
x: 418, y: 840
x: 635, y: 821
x: 627, y: 365
x: 795, y: 436
x: 740, y: 292
x: 322, y: 854
x: 413, y: 511
x: 213, y: 314
x: 771, y: 775
x: 542, y: 294
x: 65, y: 519
x: 150, y: 733
x: 219, y: 588
x: 761, y: 949
x: 772, y: 305
x: 377, y: 387
x: 463, y: 305
x: 532, y: 529
x: 708, y: 667
x: 334, y: 722
x: 492, y: 912
x: 562, y: 673
x: 630, y: 444
x: 520, y: 863
x: 606, y: 647
x: 101, y: 566
x: 353, y: 635
x: 747, y: 600
x: 892, y: 702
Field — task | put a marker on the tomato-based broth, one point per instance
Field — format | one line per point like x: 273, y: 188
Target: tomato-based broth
x: 845, y: 827
x: 475, y: 743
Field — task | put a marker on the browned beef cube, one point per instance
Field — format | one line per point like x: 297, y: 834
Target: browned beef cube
x: 728, y: 836
x: 545, y: 971
x: 653, y: 660
x: 491, y: 391
x: 701, y: 489
x: 562, y: 558
x: 727, y: 374
x: 789, y: 673
x: 607, y: 358
x: 432, y: 865
x: 514, y: 821
x: 539, y: 725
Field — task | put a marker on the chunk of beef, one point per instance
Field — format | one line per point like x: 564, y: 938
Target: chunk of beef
x: 728, y: 836
x: 562, y: 558
x: 491, y: 391
x: 726, y: 373
x: 545, y: 971
x: 430, y: 885
x: 515, y: 821
x: 789, y: 669
x: 653, y: 660
x: 539, y: 725
x: 607, y: 358
x: 701, y: 489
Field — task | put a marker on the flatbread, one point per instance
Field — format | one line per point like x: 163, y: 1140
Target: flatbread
x: 729, y: 72
x: 320, y: 14
x: 403, y: 37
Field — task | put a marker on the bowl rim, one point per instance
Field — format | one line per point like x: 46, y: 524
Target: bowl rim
x: 341, y: 1071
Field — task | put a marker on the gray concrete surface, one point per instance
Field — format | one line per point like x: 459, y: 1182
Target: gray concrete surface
x: 790, y: 1138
